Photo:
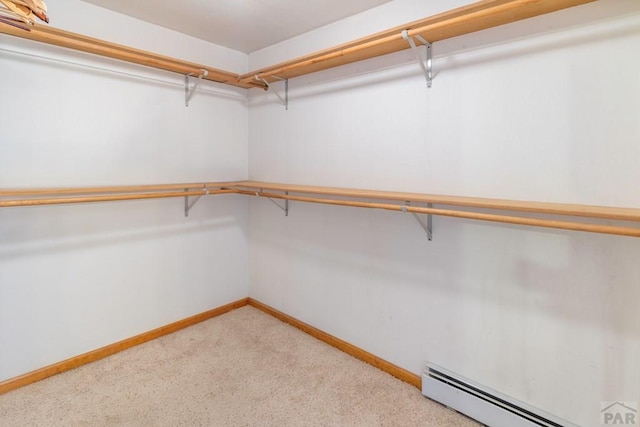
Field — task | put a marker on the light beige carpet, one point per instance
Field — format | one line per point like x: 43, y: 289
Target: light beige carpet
x: 244, y: 368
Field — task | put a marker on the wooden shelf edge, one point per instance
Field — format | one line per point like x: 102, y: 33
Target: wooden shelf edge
x: 25, y: 192
x: 475, y: 208
x: 463, y: 20
x: 566, y: 209
x: 176, y: 190
x: 58, y: 37
x: 456, y: 22
x: 60, y: 196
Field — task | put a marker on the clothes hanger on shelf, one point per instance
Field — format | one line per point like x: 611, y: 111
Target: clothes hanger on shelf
x: 22, y: 13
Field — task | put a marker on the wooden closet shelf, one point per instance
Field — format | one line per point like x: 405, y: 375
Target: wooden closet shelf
x: 60, y: 196
x: 474, y: 207
x: 602, y: 212
x: 464, y: 20
x: 111, y: 189
x: 67, y: 39
x: 456, y: 22
x: 372, y: 200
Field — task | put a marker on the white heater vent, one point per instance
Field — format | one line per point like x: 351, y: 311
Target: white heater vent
x: 481, y: 403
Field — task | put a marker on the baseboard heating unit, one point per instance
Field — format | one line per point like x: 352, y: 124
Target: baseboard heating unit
x: 481, y: 403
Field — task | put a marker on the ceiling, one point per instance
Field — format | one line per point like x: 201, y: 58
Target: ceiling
x: 243, y: 25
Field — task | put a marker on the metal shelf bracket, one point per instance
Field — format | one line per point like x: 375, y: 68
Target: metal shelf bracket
x: 189, y: 204
x: 426, y: 64
x: 284, y: 101
x: 189, y: 91
x: 428, y: 227
x: 285, y: 208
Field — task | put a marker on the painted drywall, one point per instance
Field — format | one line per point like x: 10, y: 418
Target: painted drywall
x: 77, y: 277
x: 546, y: 109
x: 93, y: 21
x: 377, y: 19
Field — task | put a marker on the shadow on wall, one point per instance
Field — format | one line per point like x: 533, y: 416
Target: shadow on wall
x: 107, y: 68
x: 34, y: 231
x: 529, y: 35
x: 541, y: 34
x: 562, y: 273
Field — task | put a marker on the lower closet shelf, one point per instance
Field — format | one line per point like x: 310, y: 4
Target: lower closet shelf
x: 538, y: 214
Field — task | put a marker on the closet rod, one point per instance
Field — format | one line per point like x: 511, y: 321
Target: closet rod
x: 564, y: 209
x: 108, y: 198
x: 536, y: 222
x: 67, y: 39
x: 52, y: 196
x: 456, y: 22
x: 474, y: 17
x: 121, y: 73
x: 112, y: 189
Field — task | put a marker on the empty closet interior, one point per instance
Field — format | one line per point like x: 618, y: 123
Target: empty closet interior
x: 448, y: 184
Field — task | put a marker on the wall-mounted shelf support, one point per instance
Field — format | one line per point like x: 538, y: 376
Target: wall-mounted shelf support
x: 189, y: 204
x: 189, y: 91
x: 427, y: 63
x: 284, y: 101
x: 428, y: 227
x: 284, y: 208
x: 467, y: 19
x: 459, y: 206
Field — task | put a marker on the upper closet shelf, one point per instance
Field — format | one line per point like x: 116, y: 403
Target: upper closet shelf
x: 67, y: 39
x: 464, y: 20
x: 456, y: 22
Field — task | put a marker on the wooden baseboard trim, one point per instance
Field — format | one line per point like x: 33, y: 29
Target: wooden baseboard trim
x: 350, y: 349
x: 101, y: 353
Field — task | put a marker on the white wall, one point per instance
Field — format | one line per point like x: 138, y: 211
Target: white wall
x: 87, y: 19
x: 74, y: 278
x: 541, y: 110
x: 547, y: 109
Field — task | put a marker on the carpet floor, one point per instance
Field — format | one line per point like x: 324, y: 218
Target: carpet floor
x: 244, y: 368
